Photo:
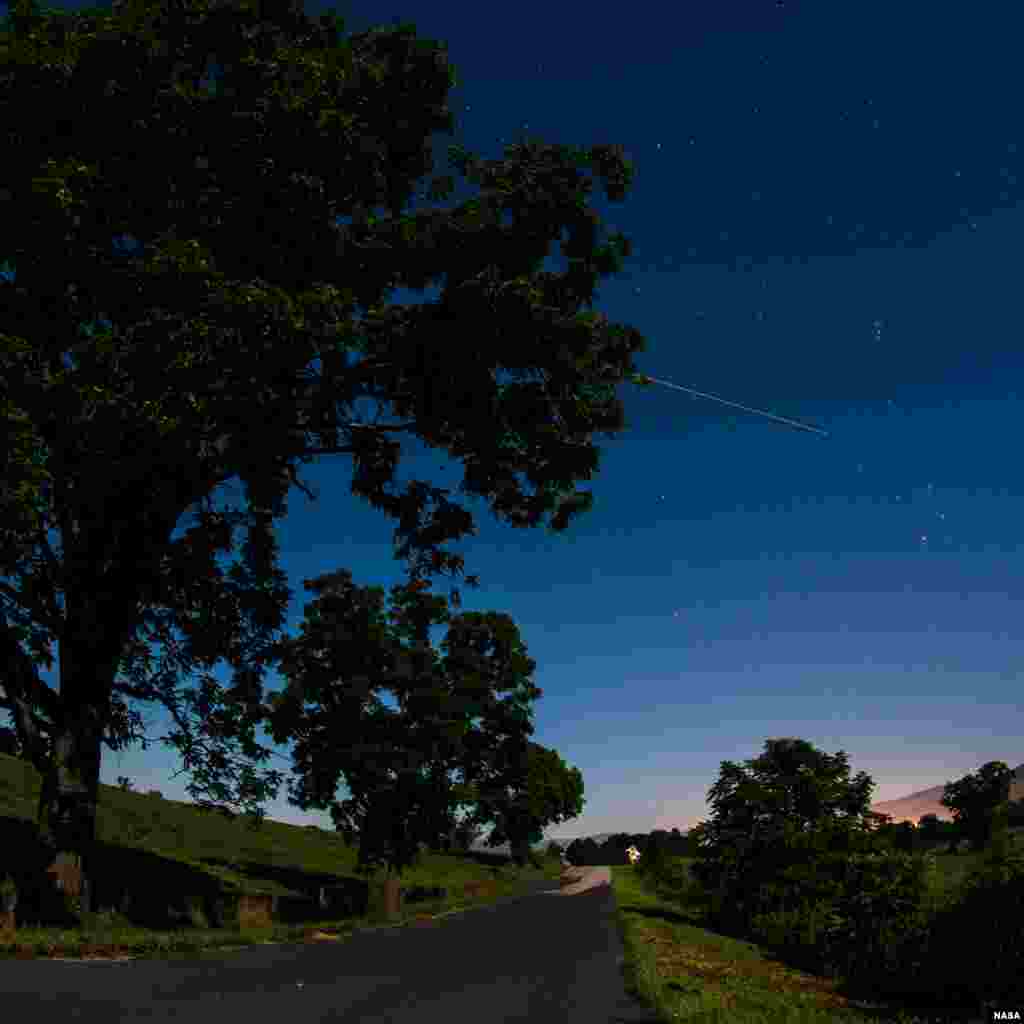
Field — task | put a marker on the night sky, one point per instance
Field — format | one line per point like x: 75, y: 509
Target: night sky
x: 826, y: 219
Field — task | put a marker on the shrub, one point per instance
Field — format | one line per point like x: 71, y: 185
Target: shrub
x: 878, y: 905
x: 990, y: 909
x: 839, y: 896
x: 671, y: 878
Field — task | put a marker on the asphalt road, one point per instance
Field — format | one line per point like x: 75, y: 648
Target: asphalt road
x: 528, y: 957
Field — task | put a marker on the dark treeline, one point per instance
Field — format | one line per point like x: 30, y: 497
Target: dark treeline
x: 928, y: 832
x: 590, y: 853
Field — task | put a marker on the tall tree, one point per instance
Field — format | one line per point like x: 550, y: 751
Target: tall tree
x: 208, y: 371
x: 397, y: 762
x: 979, y: 803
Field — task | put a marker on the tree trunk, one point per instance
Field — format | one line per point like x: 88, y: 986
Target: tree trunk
x: 66, y: 814
x: 520, y: 851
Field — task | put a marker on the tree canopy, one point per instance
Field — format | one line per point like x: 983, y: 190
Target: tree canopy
x: 979, y: 802
x: 238, y: 339
x: 537, y: 789
x: 791, y: 783
x: 458, y: 710
x: 790, y: 795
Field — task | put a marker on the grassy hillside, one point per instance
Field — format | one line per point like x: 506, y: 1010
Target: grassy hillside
x: 148, y: 845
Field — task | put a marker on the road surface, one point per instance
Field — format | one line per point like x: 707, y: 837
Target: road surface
x: 525, y: 958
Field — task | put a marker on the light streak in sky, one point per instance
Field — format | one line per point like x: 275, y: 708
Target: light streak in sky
x: 644, y: 379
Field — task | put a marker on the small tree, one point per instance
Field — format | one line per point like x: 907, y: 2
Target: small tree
x: 535, y: 789
x: 409, y: 769
x: 787, y: 811
x: 979, y: 803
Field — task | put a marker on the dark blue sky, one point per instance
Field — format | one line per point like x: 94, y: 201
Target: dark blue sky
x: 826, y: 219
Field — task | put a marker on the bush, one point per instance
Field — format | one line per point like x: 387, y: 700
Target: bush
x: 989, y: 909
x: 841, y: 897
x: 878, y: 905
x: 671, y: 878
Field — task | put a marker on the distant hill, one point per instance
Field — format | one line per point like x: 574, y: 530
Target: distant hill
x: 926, y: 801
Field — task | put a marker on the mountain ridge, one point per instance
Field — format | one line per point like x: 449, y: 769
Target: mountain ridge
x: 926, y: 801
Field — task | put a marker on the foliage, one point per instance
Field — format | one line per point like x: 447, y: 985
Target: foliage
x: 903, y: 836
x: 931, y: 828
x: 933, y: 962
x: 870, y: 900
x: 532, y: 789
x: 791, y: 789
x: 991, y: 910
x: 979, y: 802
x: 852, y: 893
x: 1015, y: 813
x: 113, y: 126
x: 396, y: 763
x: 777, y: 862
x: 574, y: 852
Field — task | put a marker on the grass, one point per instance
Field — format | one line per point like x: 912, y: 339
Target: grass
x: 685, y: 971
x: 174, y: 847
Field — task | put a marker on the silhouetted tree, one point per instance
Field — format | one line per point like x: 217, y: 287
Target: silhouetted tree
x: 533, y: 788
x: 398, y: 763
x: 979, y: 803
x: 792, y: 795
x: 116, y: 430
